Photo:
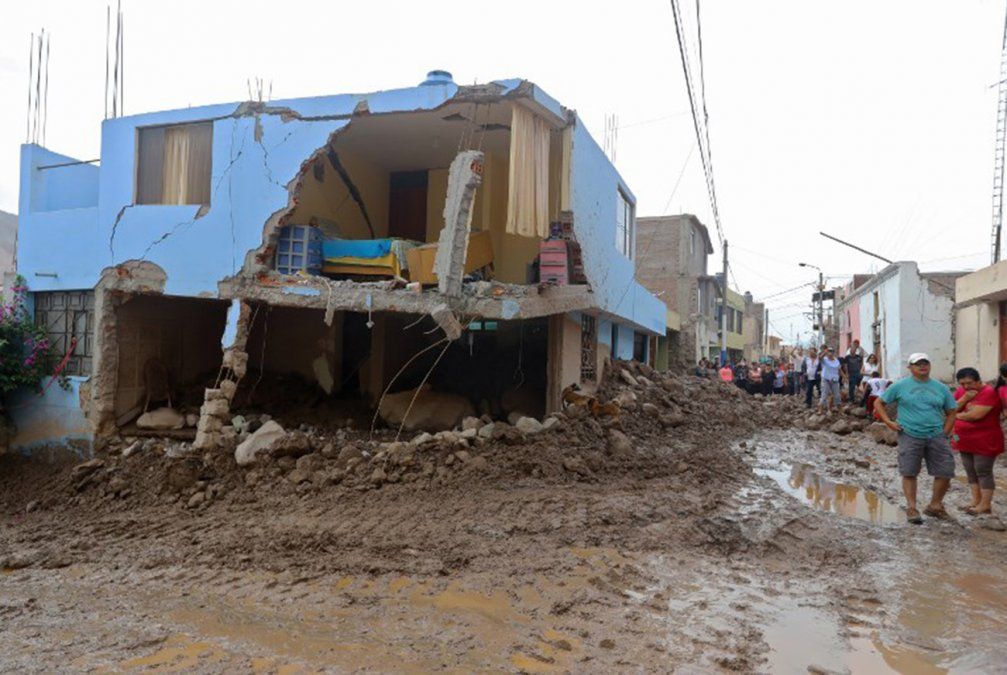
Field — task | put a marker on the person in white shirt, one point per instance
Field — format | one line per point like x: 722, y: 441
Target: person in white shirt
x: 796, y: 360
x: 832, y: 369
x: 873, y: 387
x: 871, y: 366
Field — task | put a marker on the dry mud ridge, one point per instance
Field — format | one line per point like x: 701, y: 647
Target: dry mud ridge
x: 651, y: 542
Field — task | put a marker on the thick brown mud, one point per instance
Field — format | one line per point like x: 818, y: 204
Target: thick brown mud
x: 711, y: 546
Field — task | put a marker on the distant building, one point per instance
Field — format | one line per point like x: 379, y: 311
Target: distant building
x: 899, y: 311
x: 671, y: 262
x: 754, y: 328
x: 981, y: 320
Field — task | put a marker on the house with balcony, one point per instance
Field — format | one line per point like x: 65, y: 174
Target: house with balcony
x: 349, y: 242
x: 471, y: 239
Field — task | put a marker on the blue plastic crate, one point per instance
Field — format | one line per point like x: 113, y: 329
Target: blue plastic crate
x: 299, y: 249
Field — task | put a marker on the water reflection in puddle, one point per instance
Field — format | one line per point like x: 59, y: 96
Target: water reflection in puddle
x: 801, y: 481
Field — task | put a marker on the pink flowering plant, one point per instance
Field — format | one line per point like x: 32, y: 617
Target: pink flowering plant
x: 24, y: 347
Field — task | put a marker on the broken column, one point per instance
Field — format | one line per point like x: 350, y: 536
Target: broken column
x: 215, y: 412
x: 464, y: 177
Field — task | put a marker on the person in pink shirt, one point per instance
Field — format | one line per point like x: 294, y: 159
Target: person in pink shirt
x: 726, y: 374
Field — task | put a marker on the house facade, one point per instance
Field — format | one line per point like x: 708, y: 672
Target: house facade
x: 899, y: 311
x: 671, y: 256
x: 980, y: 313
x: 338, y: 241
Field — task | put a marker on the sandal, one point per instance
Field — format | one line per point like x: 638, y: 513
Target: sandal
x: 939, y: 514
x: 972, y: 511
x: 913, y: 516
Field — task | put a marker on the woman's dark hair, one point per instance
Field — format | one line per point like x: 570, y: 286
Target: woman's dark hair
x: 1002, y: 380
x: 968, y: 373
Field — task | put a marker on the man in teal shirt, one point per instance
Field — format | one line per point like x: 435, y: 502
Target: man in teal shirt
x: 925, y: 419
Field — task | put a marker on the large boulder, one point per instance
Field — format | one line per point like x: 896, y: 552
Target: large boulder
x: 162, y: 418
x: 432, y: 410
x: 261, y: 441
x: 882, y: 434
x: 841, y: 427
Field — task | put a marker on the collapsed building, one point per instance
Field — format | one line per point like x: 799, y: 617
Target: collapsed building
x: 471, y: 241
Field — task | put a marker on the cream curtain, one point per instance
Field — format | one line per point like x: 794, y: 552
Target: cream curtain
x: 187, y: 164
x: 528, y: 198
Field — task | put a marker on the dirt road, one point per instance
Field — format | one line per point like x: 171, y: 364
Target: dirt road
x: 688, y: 542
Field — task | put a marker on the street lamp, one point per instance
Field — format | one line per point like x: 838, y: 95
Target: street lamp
x: 821, y: 300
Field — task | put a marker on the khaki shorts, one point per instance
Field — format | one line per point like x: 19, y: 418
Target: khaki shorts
x: 935, y: 451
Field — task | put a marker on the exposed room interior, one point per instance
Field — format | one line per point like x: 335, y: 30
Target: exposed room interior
x: 386, y: 177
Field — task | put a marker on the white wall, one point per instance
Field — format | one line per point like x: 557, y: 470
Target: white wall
x: 926, y: 321
x: 977, y: 338
x: 913, y: 319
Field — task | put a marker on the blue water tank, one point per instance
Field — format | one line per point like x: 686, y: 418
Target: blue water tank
x: 437, y: 77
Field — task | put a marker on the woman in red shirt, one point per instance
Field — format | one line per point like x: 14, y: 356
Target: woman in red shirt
x: 978, y: 436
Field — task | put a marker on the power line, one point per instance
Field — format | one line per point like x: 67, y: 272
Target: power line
x: 704, y: 151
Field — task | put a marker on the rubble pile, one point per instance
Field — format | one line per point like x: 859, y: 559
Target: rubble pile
x: 848, y: 419
x: 650, y: 424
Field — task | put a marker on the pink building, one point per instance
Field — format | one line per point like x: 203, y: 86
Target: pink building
x: 849, y: 315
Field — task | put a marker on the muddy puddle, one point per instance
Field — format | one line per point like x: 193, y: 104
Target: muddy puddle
x: 805, y: 484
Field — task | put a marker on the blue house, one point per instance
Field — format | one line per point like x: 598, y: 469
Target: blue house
x: 173, y: 266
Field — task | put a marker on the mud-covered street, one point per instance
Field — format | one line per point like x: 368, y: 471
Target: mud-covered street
x: 672, y: 538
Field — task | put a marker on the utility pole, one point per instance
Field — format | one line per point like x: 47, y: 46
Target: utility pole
x: 821, y: 309
x: 765, y: 334
x: 723, y: 312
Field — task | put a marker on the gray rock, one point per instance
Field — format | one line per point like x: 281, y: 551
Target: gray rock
x: 528, y: 425
x: 196, y: 500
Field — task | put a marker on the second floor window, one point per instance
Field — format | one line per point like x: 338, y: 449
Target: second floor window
x: 624, y: 225
x: 174, y: 164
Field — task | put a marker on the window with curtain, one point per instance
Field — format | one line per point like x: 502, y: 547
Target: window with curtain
x: 528, y: 194
x: 624, y: 223
x: 174, y: 164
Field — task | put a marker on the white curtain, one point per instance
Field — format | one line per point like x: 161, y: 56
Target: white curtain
x: 187, y: 164
x: 528, y: 198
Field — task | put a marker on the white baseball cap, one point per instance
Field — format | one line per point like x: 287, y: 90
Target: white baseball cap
x: 917, y: 357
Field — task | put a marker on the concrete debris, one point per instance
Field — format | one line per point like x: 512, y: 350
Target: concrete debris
x: 446, y: 319
x: 528, y: 425
x: 161, y: 419
x: 628, y: 378
x: 464, y: 176
x: 261, y: 441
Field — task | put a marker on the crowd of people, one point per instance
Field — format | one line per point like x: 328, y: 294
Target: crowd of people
x: 820, y: 378
x: 931, y: 422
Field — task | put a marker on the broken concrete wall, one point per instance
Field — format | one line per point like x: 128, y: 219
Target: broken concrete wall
x: 257, y: 152
x: 464, y: 176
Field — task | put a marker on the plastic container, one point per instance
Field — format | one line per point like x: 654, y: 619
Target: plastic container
x: 299, y: 250
x: 554, y: 262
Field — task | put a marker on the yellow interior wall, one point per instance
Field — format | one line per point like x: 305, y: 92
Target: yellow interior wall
x: 437, y: 192
x: 330, y: 199
x: 511, y: 253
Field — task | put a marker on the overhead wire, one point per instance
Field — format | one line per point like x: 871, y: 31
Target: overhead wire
x: 704, y: 151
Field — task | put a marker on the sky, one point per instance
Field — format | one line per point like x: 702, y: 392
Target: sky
x: 872, y: 121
